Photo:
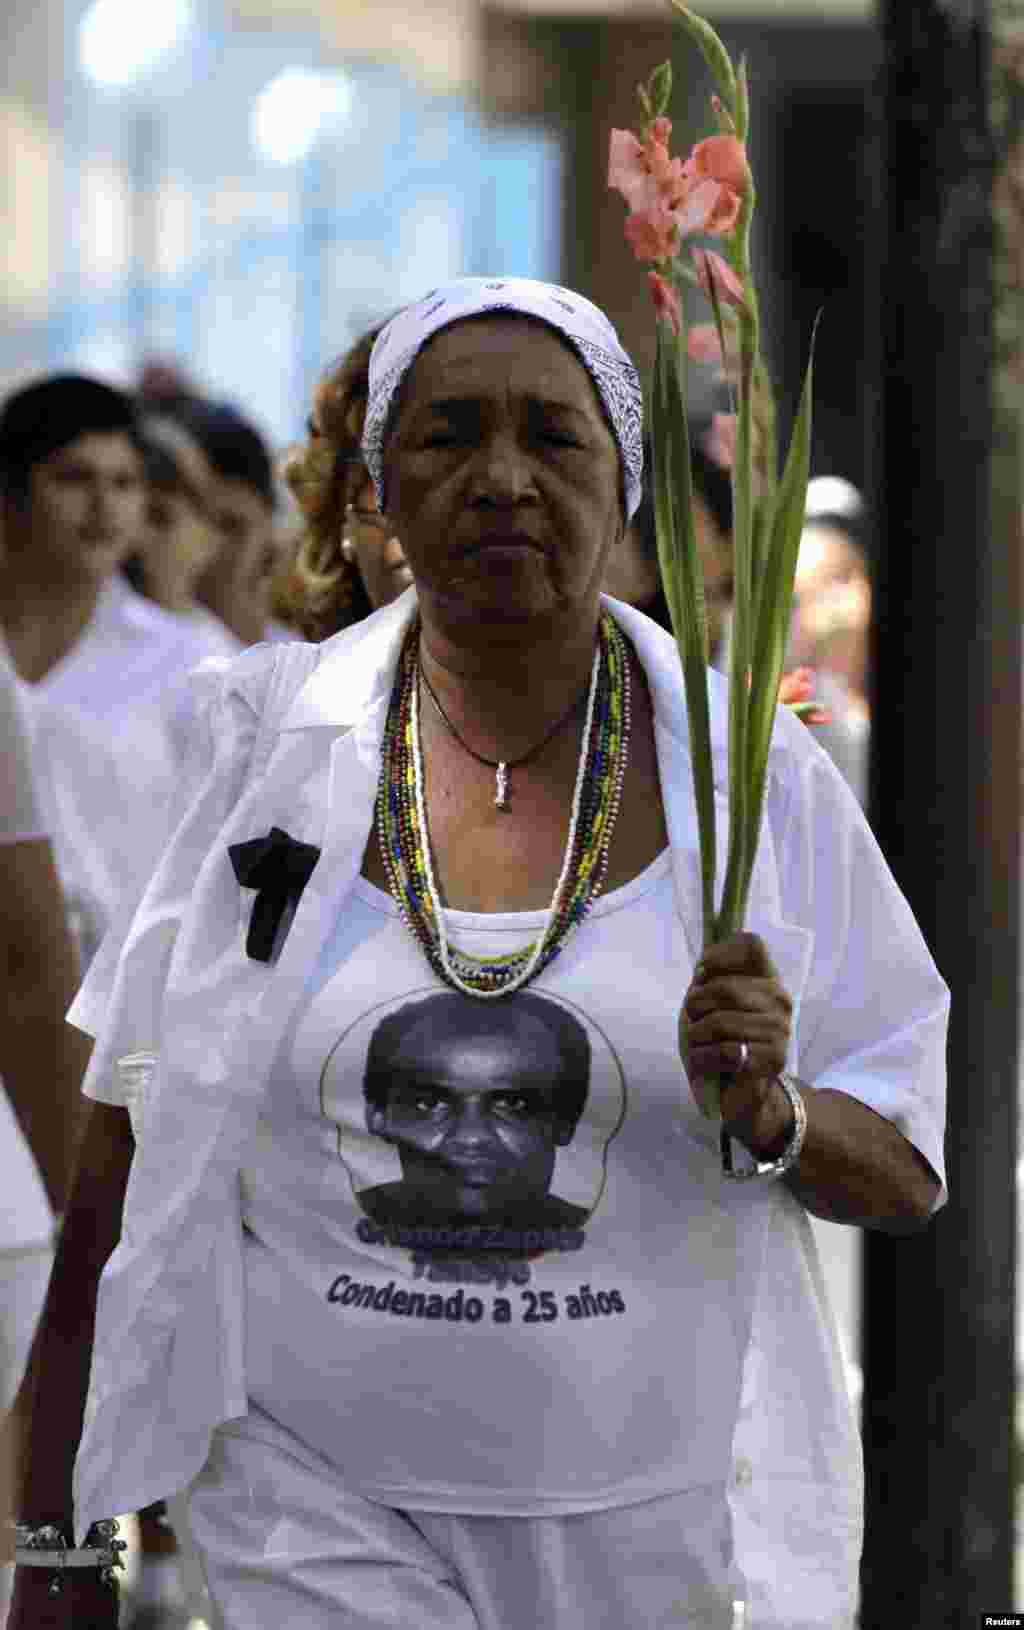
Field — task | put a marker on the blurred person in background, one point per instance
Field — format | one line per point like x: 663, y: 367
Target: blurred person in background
x: 633, y: 573
x: 102, y: 668
x: 181, y: 539
x: 831, y: 622
x: 349, y: 562
x: 237, y: 585
x: 42, y: 1059
x: 73, y: 492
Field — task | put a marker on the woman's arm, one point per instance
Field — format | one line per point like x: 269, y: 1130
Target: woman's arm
x: 51, y: 1403
x: 42, y: 1059
x: 855, y: 1166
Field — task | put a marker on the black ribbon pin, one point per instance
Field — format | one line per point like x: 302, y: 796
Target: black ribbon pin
x: 278, y: 868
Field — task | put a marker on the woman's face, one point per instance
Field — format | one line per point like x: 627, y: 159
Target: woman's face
x: 503, y: 478
x: 181, y: 540
x: 832, y: 598
x: 237, y: 585
x: 370, y: 543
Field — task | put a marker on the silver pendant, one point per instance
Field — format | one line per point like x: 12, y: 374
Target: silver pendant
x: 501, y: 787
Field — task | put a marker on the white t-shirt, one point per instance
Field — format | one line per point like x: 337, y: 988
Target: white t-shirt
x: 132, y: 662
x: 108, y: 787
x: 108, y: 794
x: 561, y: 1322
x: 213, y: 638
x: 25, y: 1216
x: 21, y: 815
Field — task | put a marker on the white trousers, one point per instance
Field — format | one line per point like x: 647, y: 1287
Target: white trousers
x: 283, y: 1542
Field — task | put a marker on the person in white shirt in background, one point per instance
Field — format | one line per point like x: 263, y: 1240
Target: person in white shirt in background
x: 181, y: 538
x: 238, y: 584
x: 102, y: 670
x: 74, y: 502
x: 831, y: 620
x: 42, y: 1059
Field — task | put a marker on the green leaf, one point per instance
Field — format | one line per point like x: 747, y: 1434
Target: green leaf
x: 742, y: 101
x: 730, y: 915
x: 683, y: 579
x: 776, y: 600
x: 764, y: 514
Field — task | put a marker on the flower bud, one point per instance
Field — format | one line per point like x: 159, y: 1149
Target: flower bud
x: 659, y: 88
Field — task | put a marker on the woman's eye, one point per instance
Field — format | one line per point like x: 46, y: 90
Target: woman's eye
x: 559, y: 438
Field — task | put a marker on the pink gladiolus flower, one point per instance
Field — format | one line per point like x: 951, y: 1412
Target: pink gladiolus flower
x: 720, y: 442
x: 796, y: 686
x: 652, y: 233
x: 666, y: 300
x: 628, y: 171
x: 643, y: 172
x: 725, y: 214
x: 702, y: 343
x: 796, y: 690
x: 714, y: 272
x: 654, y: 185
x: 703, y: 206
x: 722, y: 159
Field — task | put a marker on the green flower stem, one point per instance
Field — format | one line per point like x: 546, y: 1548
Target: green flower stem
x: 715, y: 55
x: 682, y: 575
x: 766, y: 537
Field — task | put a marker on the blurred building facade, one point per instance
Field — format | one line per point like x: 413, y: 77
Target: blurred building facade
x: 242, y: 185
x: 248, y: 198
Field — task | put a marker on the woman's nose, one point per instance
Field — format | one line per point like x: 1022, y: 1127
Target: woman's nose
x: 503, y: 473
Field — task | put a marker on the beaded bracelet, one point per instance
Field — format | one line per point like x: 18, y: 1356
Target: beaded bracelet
x: 44, y: 1545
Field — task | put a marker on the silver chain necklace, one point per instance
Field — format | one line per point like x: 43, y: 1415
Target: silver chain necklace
x: 501, y: 766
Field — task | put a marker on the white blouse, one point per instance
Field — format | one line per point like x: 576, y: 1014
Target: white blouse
x: 870, y: 1015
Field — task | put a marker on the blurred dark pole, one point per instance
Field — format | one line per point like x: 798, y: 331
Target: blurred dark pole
x: 939, y: 1307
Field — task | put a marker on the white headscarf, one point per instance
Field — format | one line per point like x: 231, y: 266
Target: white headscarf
x: 582, y: 323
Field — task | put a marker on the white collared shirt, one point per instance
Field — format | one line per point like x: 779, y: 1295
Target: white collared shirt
x: 870, y: 1013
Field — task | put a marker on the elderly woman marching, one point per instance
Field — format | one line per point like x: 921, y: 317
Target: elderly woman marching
x: 428, y: 1282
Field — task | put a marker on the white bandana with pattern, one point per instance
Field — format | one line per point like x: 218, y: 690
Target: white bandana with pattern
x: 582, y: 323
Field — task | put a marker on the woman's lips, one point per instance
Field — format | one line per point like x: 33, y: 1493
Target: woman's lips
x: 506, y: 544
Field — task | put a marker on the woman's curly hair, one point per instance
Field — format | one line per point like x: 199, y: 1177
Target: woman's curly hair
x: 326, y: 592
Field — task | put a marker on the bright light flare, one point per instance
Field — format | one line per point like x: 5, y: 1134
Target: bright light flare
x: 120, y: 39
x: 291, y: 110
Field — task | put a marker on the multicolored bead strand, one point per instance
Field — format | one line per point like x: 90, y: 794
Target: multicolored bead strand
x: 404, y: 838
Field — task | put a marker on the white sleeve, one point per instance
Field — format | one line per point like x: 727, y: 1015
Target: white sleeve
x: 21, y: 814
x: 874, y: 1013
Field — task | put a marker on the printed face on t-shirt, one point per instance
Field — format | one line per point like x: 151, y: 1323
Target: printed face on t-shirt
x: 476, y: 1118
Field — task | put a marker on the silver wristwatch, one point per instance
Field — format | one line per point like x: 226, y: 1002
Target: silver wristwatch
x: 789, y: 1156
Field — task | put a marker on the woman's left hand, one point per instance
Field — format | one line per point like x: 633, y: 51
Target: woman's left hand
x: 736, y: 996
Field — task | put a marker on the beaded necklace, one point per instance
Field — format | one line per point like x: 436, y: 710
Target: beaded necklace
x: 405, y: 841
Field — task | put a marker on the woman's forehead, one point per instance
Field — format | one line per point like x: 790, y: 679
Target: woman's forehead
x: 491, y: 356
